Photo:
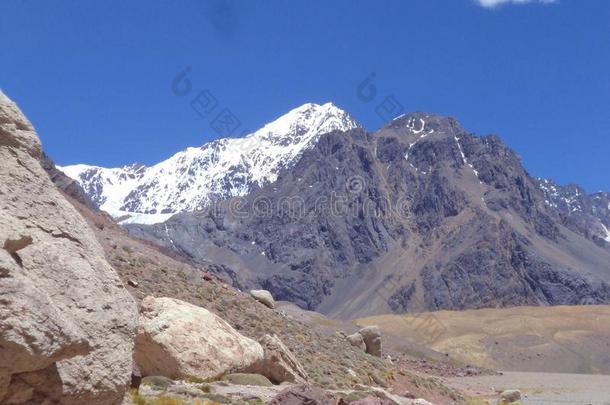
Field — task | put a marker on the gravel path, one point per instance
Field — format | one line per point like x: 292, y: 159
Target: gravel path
x: 541, y: 388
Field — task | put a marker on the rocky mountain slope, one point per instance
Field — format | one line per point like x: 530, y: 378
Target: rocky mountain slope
x: 224, y: 168
x: 418, y: 215
x: 588, y: 214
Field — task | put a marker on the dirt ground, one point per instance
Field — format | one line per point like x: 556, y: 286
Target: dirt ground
x: 540, y: 388
x: 562, y: 339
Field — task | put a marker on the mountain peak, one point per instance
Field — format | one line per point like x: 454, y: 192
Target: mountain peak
x: 420, y: 121
x: 224, y: 168
x: 308, y: 120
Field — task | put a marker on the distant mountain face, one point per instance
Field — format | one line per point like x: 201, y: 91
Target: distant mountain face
x: 588, y: 214
x: 218, y: 170
x: 418, y: 215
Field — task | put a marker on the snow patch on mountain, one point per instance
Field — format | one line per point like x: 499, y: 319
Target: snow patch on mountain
x: 224, y: 168
x: 607, y: 238
x: 589, y: 211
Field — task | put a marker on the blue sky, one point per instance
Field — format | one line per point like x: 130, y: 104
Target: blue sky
x: 95, y: 77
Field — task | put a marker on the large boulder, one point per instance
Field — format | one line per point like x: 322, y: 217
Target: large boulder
x: 66, y: 321
x: 356, y: 340
x: 372, y: 339
x: 180, y: 340
x: 264, y: 297
x: 279, y: 364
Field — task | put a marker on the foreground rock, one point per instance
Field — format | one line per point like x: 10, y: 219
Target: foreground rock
x: 242, y: 389
x: 264, y: 297
x: 219, y: 392
x: 180, y: 340
x: 509, y: 397
x: 66, y: 321
x: 278, y: 363
x: 421, y: 401
x: 304, y: 394
x: 372, y: 339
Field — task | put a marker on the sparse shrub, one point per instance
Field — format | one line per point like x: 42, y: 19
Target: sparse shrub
x: 217, y: 399
x: 378, y: 380
x: 162, y: 400
x: 199, y: 380
x: 135, y: 396
x: 165, y: 400
x: 356, y: 396
x: 157, y: 381
x: 390, y: 376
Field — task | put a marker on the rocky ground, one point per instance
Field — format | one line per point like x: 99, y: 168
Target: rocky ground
x: 251, y: 392
x: 540, y: 388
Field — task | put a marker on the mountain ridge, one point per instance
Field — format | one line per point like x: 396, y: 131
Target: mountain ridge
x: 419, y: 215
x: 220, y: 169
x: 103, y: 185
x: 586, y: 213
x: 477, y: 230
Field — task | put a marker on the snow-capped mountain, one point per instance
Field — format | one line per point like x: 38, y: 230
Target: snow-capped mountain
x: 433, y: 216
x: 220, y: 169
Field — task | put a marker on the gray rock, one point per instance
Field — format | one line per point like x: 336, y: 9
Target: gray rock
x: 264, y: 297
x: 278, y: 364
x: 356, y: 340
x: 509, y: 397
x: 371, y: 335
x: 303, y: 394
x: 66, y: 184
